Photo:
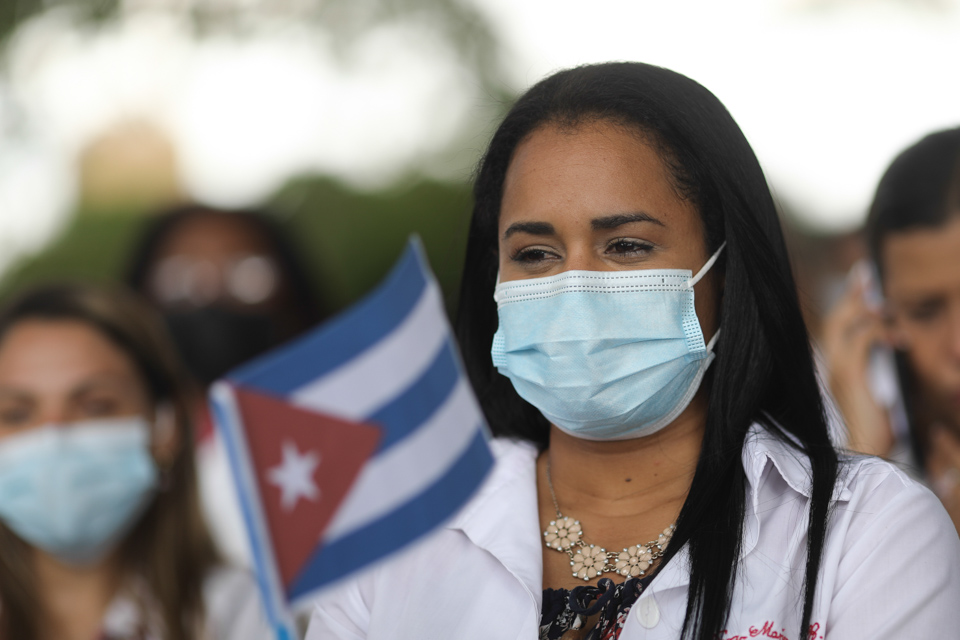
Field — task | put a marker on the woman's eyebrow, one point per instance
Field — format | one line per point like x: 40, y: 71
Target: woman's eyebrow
x: 616, y: 220
x: 533, y: 228
x: 919, y: 300
x: 104, y: 380
x: 7, y: 392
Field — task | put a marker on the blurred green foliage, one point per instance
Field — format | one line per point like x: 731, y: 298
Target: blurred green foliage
x: 351, y: 238
x: 13, y: 13
x: 92, y: 248
x: 348, y: 238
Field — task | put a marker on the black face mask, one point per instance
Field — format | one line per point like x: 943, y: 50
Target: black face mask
x: 213, y: 340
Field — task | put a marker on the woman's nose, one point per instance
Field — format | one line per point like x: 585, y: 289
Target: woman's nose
x: 54, y: 415
x: 584, y: 258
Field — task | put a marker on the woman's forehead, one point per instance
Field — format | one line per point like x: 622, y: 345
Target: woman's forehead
x: 922, y: 262
x: 595, y: 169
x: 60, y: 353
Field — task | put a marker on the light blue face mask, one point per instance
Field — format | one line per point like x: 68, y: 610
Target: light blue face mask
x: 604, y: 355
x: 74, y: 490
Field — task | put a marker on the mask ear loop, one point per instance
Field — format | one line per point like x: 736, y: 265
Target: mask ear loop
x: 713, y: 341
x: 695, y: 279
x: 706, y: 267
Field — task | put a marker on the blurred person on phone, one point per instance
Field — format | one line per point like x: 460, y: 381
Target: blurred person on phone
x: 892, y: 344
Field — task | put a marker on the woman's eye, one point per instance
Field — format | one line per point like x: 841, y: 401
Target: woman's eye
x: 625, y: 246
x: 532, y: 254
x: 96, y: 407
x: 924, y: 313
x: 14, y: 416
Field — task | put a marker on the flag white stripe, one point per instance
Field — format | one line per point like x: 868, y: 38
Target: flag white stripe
x: 358, y: 388
x: 412, y: 465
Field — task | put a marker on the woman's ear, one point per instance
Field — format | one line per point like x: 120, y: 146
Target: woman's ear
x: 166, y: 438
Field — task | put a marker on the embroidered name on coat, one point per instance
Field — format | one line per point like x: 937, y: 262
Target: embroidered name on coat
x: 769, y: 630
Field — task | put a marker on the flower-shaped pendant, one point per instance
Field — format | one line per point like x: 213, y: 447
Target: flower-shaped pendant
x: 589, y: 562
x: 562, y: 534
x: 635, y: 561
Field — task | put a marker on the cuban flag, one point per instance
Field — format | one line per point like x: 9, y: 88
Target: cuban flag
x: 353, y: 441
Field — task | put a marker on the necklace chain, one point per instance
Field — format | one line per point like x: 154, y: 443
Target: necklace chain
x: 587, y: 561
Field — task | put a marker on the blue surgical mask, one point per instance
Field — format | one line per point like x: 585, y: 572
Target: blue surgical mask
x: 74, y: 490
x: 604, y: 355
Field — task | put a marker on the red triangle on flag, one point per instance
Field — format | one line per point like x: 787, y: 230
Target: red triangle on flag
x: 304, y: 463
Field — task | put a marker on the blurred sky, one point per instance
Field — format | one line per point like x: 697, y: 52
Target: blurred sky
x: 827, y: 92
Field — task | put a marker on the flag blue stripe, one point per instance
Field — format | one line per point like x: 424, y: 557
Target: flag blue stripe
x: 405, y: 413
x: 303, y: 361
x: 400, y: 527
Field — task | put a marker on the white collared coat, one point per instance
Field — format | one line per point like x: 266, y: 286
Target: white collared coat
x: 890, y: 570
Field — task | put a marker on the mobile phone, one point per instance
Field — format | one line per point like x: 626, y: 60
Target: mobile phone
x: 882, y: 369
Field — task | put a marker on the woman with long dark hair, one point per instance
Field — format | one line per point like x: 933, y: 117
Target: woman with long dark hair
x: 101, y: 535
x: 630, y: 324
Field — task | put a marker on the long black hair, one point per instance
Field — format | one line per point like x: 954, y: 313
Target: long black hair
x: 919, y: 190
x: 764, y: 369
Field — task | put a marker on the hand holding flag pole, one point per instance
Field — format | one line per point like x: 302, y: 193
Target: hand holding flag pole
x: 352, y: 441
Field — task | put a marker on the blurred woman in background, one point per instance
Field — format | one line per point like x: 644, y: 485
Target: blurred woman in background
x: 913, y: 235
x: 230, y: 286
x: 101, y: 535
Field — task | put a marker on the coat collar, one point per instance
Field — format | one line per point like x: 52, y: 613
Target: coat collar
x: 503, y: 517
x: 760, y: 450
x: 763, y: 447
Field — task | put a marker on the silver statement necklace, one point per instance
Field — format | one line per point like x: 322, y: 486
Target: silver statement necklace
x: 589, y: 561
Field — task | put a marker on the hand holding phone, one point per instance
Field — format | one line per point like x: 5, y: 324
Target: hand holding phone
x: 852, y: 332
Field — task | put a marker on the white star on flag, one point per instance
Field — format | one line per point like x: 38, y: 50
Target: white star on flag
x: 294, y: 476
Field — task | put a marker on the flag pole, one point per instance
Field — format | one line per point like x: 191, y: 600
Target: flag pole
x: 227, y: 417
